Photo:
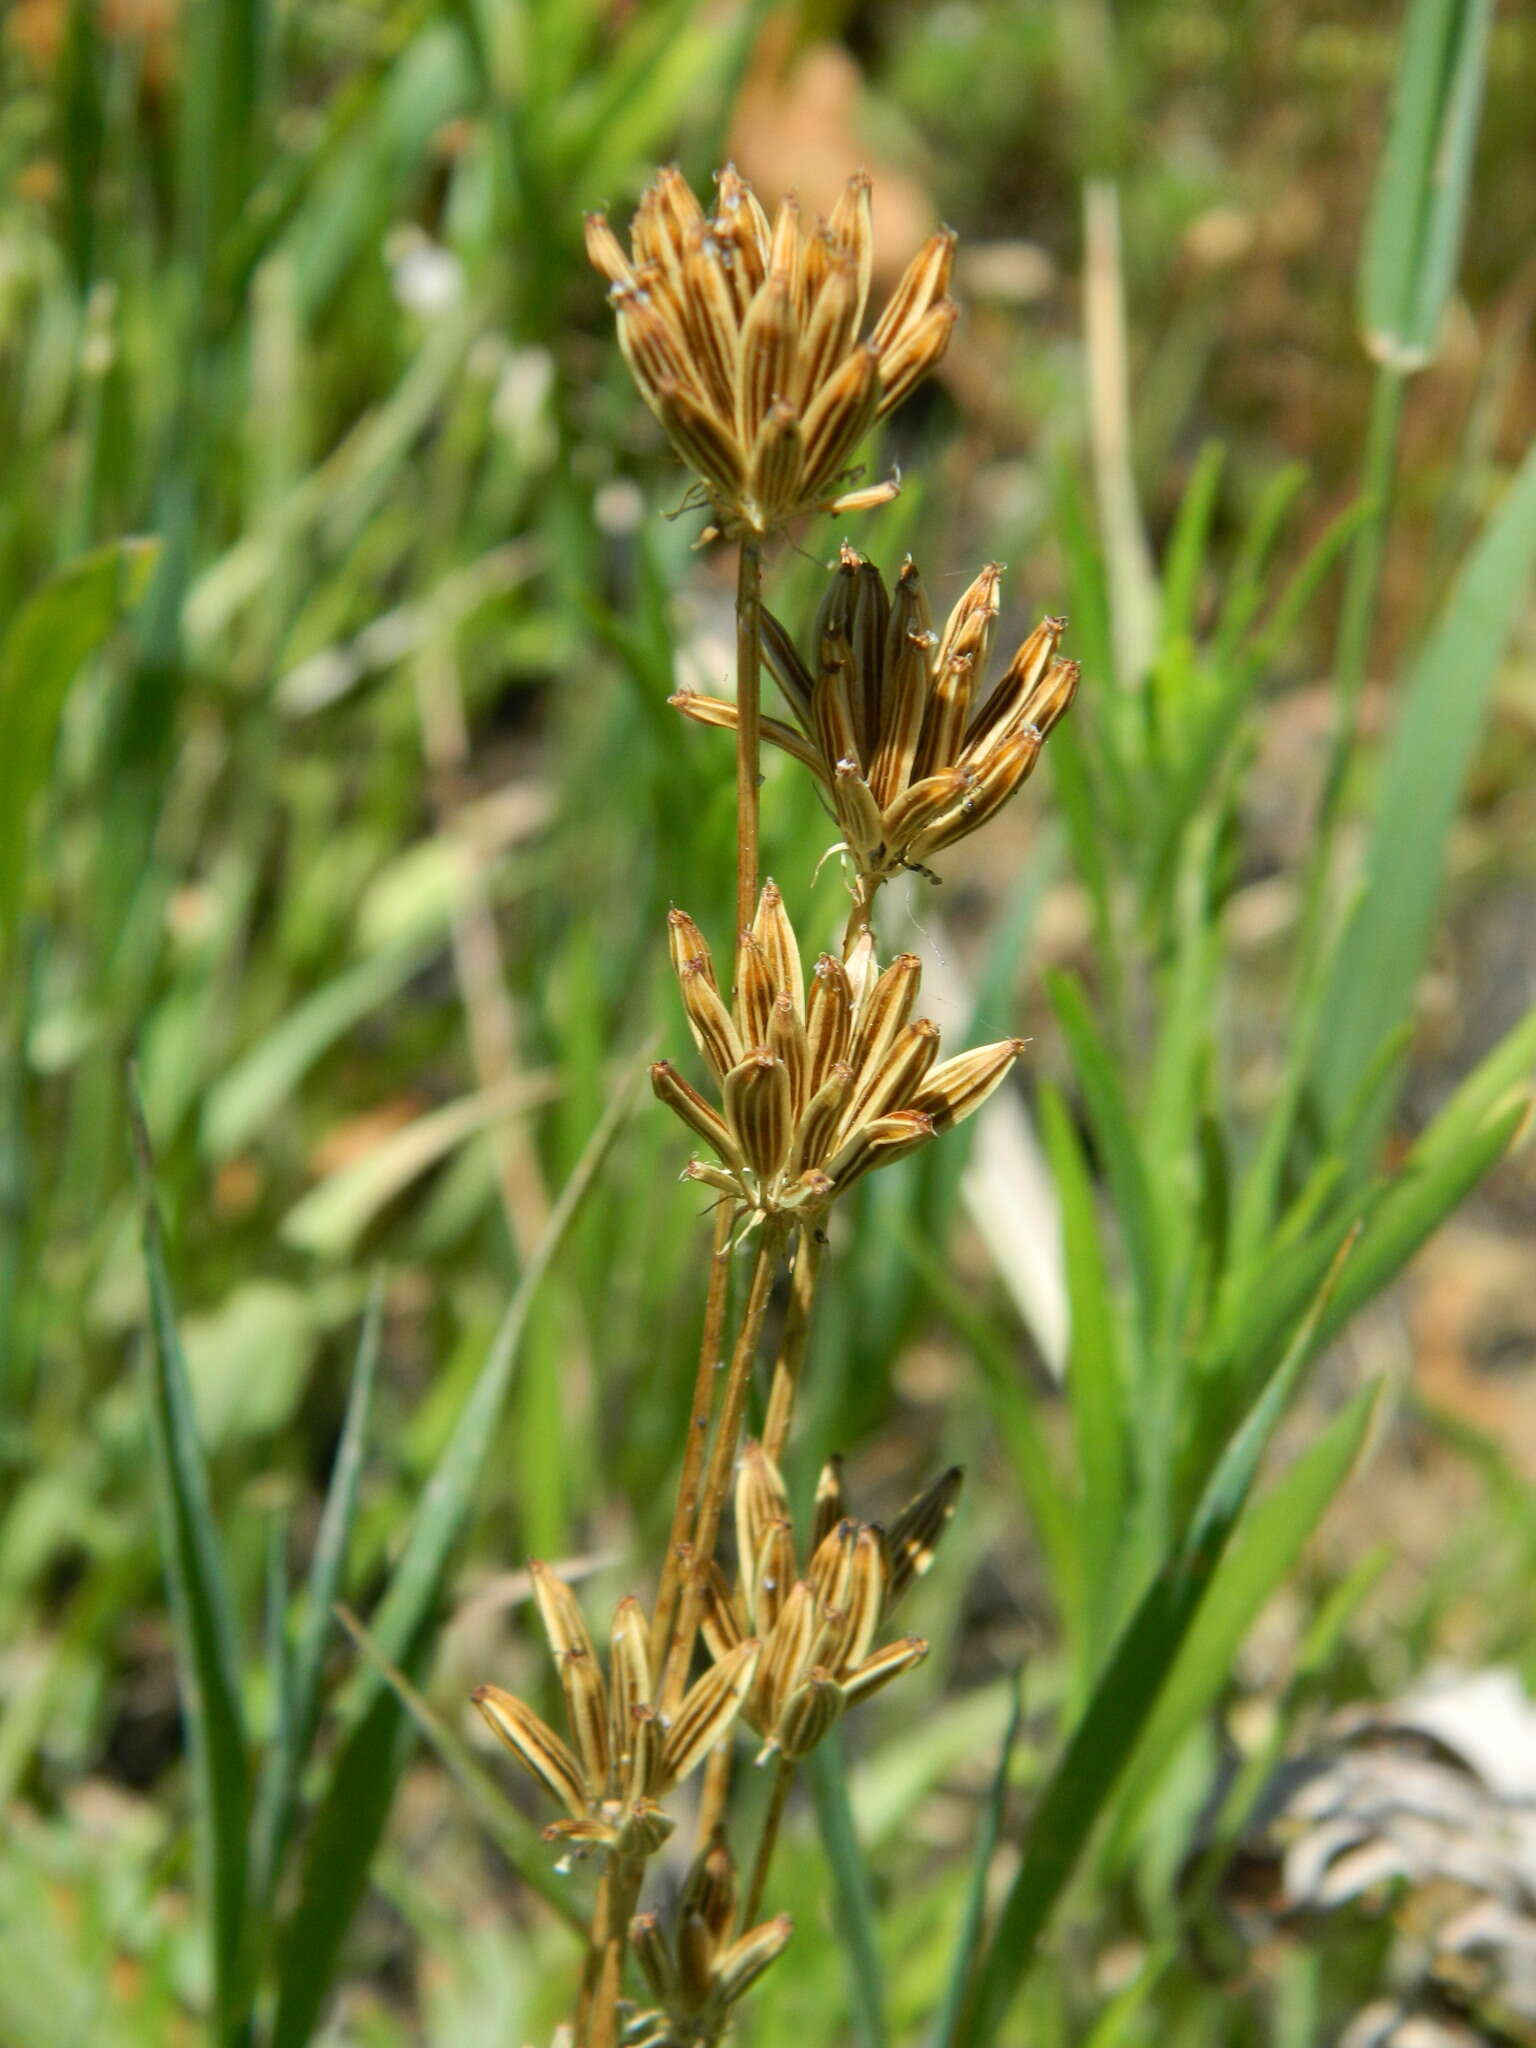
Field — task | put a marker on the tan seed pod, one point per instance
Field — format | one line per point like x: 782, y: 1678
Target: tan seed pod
x: 1052, y: 696
x: 776, y: 936
x: 884, y: 1012
x: 828, y: 1509
x: 785, y: 666
x: 786, y: 1041
x: 1004, y: 768
x: 761, y: 1502
x: 604, y: 251
x: 773, y: 1573
x: 714, y: 1030
x: 831, y: 1565
x: 857, y: 812
x: 695, y: 1960
x: 810, y: 1714
x: 784, y: 1656
x: 921, y: 803
x: 536, y: 1746
x: 646, y: 1829
x: 776, y: 460
x: 828, y: 1019
x: 881, y: 1142
x: 905, y: 692
x: 714, y: 711
x: 925, y: 281
x: 689, y: 949
x: 707, y: 1711
x: 654, y: 1957
x: 908, y: 361
x: 646, y: 1741
x: 629, y: 1673
x: 821, y: 1119
x: 1007, y: 701
x: 719, y: 1622
x: 891, y: 1081
x: 864, y: 1601
x: 745, y: 1961
x: 829, y: 328
x: 755, y: 990
x: 685, y: 1101
x: 850, y: 231
x: 759, y: 1111
x: 960, y: 1086
x: 913, y: 1537
x: 710, y: 1886
x: 832, y: 699
x: 699, y: 437
x: 878, y: 1671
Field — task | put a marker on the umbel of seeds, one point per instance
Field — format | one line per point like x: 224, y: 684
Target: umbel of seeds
x: 910, y: 750
x: 746, y: 338
x: 819, y: 1084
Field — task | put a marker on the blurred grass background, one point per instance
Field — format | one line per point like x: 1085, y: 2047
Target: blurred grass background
x: 357, y: 827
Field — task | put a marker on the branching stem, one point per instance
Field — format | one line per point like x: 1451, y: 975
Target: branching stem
x: 767, y: 1841
x: 749, y: 598
x: 722, y: 1457
x: 700, y: 1410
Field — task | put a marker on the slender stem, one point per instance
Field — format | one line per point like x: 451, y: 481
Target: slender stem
x: 700, y: 1410
x: 865, y: 889
x: 597, y: 2018
x: 722, y: 1456
x: 715, y: 1791
x: 767, y: 1841
x: 804, y: 1275
x: 749, y: 596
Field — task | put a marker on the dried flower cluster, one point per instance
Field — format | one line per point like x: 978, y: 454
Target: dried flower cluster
x: 817, y: 1630
x: 625, y: 1756
x: 910, y: 750
x: 744, y: 336
x: 819, y: 1085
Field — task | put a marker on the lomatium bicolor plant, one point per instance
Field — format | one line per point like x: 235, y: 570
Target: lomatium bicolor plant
x: 746, y: 336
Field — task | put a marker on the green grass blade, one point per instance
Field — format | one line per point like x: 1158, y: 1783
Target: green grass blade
x: 853, y: 1897
x: 1267, y: 1544
x: 449, y: 1497
x: 44, y: 645
x: 518, y: 1839
x: 1114, y: 1128
x: 279, y: 1789
x: 339, y: 1854
x: 1083, y: 1783
x: 1439, y: 723
x: 946, y: 2026
x: 1095, y: 1387
x: 207, y: 1645
x: 1413, y: 234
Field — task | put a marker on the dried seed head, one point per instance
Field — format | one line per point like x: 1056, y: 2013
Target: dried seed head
x: 714, y: 1032
x: 743, y: 340
x: 878, y: 1671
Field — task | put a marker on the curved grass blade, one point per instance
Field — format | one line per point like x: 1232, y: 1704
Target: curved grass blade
x: 207, y: 1643
x: 946, y: 2026
x: 853, y: 1898
x: 355, y: 1807
x: 305, y: 1663
x: 1082, y: 1786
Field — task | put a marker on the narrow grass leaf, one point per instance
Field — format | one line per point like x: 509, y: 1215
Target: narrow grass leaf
x: 44, y: 645
x: 1439, y: 723
x: 1080, y: 1790
x: 207, y: 1643
x: 1114, y: 1129
x: 1413, y: 232
x: 1268, y: 1542
x: 1095, y: 1386
x: 853, y: 1898
x: 306, y: 1663
x: 946, y: 2031
x: 517, y: 1838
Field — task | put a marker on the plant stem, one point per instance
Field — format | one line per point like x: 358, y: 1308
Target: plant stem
x: 597, y: 2018
x: 767, y: 1841
x: 804, y: 1275
x: 717, y: 1479
x: 1357, y: 614
x: 865, y: 889
x: 749, y: 594
x: 700, y: 1410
